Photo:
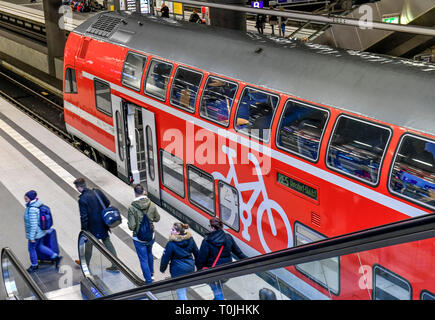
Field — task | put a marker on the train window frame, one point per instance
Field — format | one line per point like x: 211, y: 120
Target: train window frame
x: 219, y: 202
x: 393, y: 274
x: 309, y: 276
x: 271, y: 121
x: 162, y: 151
x: 381, y: 163
x: 393, y: 161
x: 96, y: 80
x: 426, y: 292
x: 321, y: 137
x: 70, y: 78
x: 129, y: 53
x: 232, y: 105
x: 196, y: 204
x: 192, y: 111
x: 146, y: 77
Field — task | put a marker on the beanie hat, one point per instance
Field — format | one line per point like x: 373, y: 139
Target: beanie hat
x: 31, y: 194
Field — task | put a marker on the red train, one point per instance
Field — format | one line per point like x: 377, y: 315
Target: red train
x: 286, y: 142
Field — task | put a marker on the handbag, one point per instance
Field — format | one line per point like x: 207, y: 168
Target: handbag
x: 217, y: 258
x: 111, y: 215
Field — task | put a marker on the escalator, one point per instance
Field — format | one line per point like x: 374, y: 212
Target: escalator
x: 389, y: 262
x: 96, y: 280
x: 399, y: 44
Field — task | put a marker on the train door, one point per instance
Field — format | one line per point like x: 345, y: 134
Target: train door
x: 122, y: 140
x: 152, y: 168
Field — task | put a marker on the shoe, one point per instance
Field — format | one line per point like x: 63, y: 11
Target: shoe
x: 112, y: 269
x: 57, y: 261
x: 32, y: 269
x: 152, y: 276
x: 77, y: 262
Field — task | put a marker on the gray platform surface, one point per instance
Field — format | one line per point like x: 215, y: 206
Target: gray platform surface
x: 32, y: 157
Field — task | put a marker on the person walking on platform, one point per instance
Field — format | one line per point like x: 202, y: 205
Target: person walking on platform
x: 92, y: 220
x: 34, y: 233
x: 194, y: 17
x: 216, y: 249
x: 273, y: 21
x: 164, y: 11
x: 142, y: 208
x: 260, y: 22
x: 180, y: 252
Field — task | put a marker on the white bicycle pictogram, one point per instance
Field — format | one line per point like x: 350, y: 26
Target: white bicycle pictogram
x: 267, y: 205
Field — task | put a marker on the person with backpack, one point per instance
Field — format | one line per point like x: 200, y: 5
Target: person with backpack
x: 34, y: 233
x: 216, y: 249
x: 91, y: 218
x: 180, y: 252
x: 142, y: 214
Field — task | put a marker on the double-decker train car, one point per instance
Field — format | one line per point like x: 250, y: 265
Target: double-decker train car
x: 286, y: 142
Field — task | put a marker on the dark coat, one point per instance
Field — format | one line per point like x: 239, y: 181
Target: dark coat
x: 178, y: 253
x: 90, y: 213
x: 211, y: 245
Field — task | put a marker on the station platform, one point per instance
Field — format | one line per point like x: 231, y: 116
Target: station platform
x: 33, y: 157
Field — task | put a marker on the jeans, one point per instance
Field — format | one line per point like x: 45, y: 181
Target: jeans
x: 145, y: 254
x: 217, y: 290
x: 38, y: 245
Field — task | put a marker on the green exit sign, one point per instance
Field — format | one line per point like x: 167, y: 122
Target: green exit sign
x: 391, y: 20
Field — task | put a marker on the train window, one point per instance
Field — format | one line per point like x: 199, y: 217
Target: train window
x: 70, y: 81
x: 325, y: 272
x: 255, y: 113
x: 132, y: 71
x: 120, y: 136
x: 201, y: 189
x: 172, y: 172
x: 357, y: 148
x: 301, y: 128
x: 229, y: 205
x: 427, y: 295
x: 389, y: 286
x: 185, y: 88
x: 413, y: 171
x: 103, y: 98
x: 150, y: 153
x: 157, y: 79
x: 217, y: 100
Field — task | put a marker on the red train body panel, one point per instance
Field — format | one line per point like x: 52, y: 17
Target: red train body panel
x: 342, y: 204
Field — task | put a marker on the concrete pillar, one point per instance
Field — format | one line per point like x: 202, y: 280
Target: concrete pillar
x: 227, y: 18
x: 56, y: 37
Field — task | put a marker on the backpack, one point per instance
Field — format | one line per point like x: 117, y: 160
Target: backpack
x: 145, y: 232
x: 45, y: 218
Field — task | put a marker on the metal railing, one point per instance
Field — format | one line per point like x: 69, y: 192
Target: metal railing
x: 17, y: 282
x: 385, y: 236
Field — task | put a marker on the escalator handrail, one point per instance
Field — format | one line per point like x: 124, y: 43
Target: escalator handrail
x: 114, y: 260
x: 413, y: 229
x: 9, y: 254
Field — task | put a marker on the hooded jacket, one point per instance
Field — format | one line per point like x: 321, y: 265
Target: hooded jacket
x: 31, y: 221
x: 136, y: 211
x: 211, y: 245
x: 178, y: 253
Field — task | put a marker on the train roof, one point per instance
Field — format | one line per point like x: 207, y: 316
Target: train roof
x: 388, y: 89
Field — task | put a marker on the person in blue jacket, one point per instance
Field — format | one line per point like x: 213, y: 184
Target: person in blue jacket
x: 217, y: 241
x: 180, y: 253
x: 34, y: 233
